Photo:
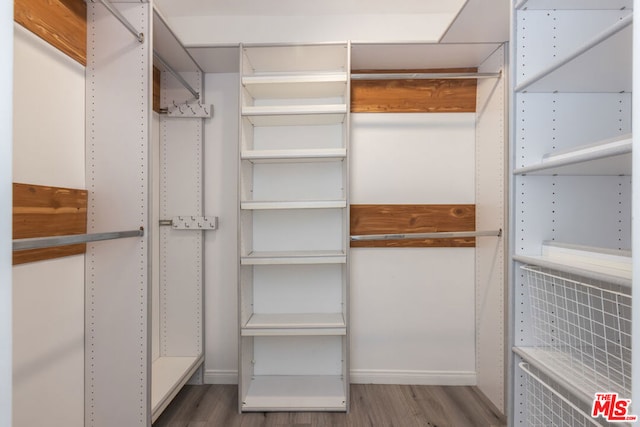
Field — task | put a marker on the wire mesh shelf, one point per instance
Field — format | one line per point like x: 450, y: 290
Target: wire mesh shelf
x: 547, y: 404
x: 581, y: 330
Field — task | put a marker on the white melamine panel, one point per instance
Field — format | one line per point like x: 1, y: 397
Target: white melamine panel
x: 48, y: 297
x: 48, y: 343
x: 117, y: 161
x: 155, y: 236
x: 413, y: 158
x: 220, y: 255
x: 180, y: 250
x: 286, y: 393
x: 294, y: 59
x: 491, y: 212
x: 296, y: 257
x: 295, y: 86
x: 308, y: 288
x: 228, y: 30
x: 412, y: 312
x: 167, y: 372
x: 296, y: 181
x: 549, y: 123
x: 546, y: 37
x: 313, y: 355
x: 6, y: 112
x: 575, y: 4
x: 328, y: 136
x: 169, y: 47
x: 48, y: 136
x: 299, y: 230
x: 293, y: 156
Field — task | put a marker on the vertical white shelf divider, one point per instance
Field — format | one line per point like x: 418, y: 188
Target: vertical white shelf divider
x: 6, y: 179
x: 126, y: 382
x: 293, y: 218
x: 571, y: 306
x: 117, y: 355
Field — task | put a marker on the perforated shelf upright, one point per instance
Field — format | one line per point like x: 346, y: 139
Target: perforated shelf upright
x: 570, y: 212
x: 293, y: 219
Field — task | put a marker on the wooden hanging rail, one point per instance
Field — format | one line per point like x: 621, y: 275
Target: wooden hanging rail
x: 72, y: 239
x: 175, y: 74
x: 436, y: 235
x: 116, y: 13
x: 423, y: 76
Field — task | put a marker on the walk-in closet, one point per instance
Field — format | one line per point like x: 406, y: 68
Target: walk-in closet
x: 336, y: 213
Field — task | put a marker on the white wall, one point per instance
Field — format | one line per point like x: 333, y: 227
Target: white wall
x: 6, y: 90
x: 48, y: 296
x: 412, y: 309
x: 220, y: 195
x: 230, y: 29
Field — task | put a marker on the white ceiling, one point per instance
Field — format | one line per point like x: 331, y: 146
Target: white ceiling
x: 305, y: 7
x: 475, y: 28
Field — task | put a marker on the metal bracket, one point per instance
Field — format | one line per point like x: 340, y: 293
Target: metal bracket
x: 189, y: 110
x: 189, y: 222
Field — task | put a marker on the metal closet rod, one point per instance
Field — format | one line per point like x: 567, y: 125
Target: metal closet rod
x: 175, y: 74
x: 72, y: 239
x: 436, y: 235
x: 115, y: 12
x: 423, y: 76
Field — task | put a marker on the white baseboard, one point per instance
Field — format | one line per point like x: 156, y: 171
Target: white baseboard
x: 371, y: 376
x: 220, y: 376
x: 374, y: 376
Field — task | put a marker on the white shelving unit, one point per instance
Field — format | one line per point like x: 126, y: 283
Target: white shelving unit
x: 571, y: 208
x: 293, y: 260
x: 139, y: 354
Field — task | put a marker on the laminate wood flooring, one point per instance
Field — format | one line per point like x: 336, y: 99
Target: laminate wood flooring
x: 371, y: 405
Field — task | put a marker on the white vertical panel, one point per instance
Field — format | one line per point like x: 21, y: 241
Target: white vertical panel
x: 220, y: 179
x: 491, y: 215
x: 416, y: 151
x: 635, y: 391
x: 48, y: 148
x: 117, y: 361
x: 181, y: 250
x: 6, y: 91
x: 49, y: 137
x: 155, y: 242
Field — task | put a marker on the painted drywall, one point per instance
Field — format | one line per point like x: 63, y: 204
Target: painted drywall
x: 6, y: 125
x: 412, y: 309
x: 220, y: 178
x: 231, y: 29
x: 48, y: 296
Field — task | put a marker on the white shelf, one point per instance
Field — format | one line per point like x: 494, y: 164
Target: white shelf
x: 607, y: 57
x: 295, y: 393
x: 307, y: 204
x: 287, y: 258
x: 295, y: 115
x: 574, y: 4
x: 168, y: 375
x: 294, y: 58
x: 599, y: 264
x: 295, y: 324
x: 581, y: 380
x: 296, y: 86
x: 281, y: 156
x: 610, y: 157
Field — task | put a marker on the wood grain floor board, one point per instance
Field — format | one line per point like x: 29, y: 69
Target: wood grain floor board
x: 372, y: 405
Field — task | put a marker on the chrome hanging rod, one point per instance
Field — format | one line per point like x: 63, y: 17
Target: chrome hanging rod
x: 423, y: 76
x: 175, y: 74
x: 436, y: 235
x: 116, y: 13
x: 72, y: 239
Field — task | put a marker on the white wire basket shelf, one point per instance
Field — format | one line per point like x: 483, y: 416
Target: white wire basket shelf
x: 581, y: 331
x: 545, y: 403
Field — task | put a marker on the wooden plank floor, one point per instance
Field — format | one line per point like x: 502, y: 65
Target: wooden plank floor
x: 371, y: 405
